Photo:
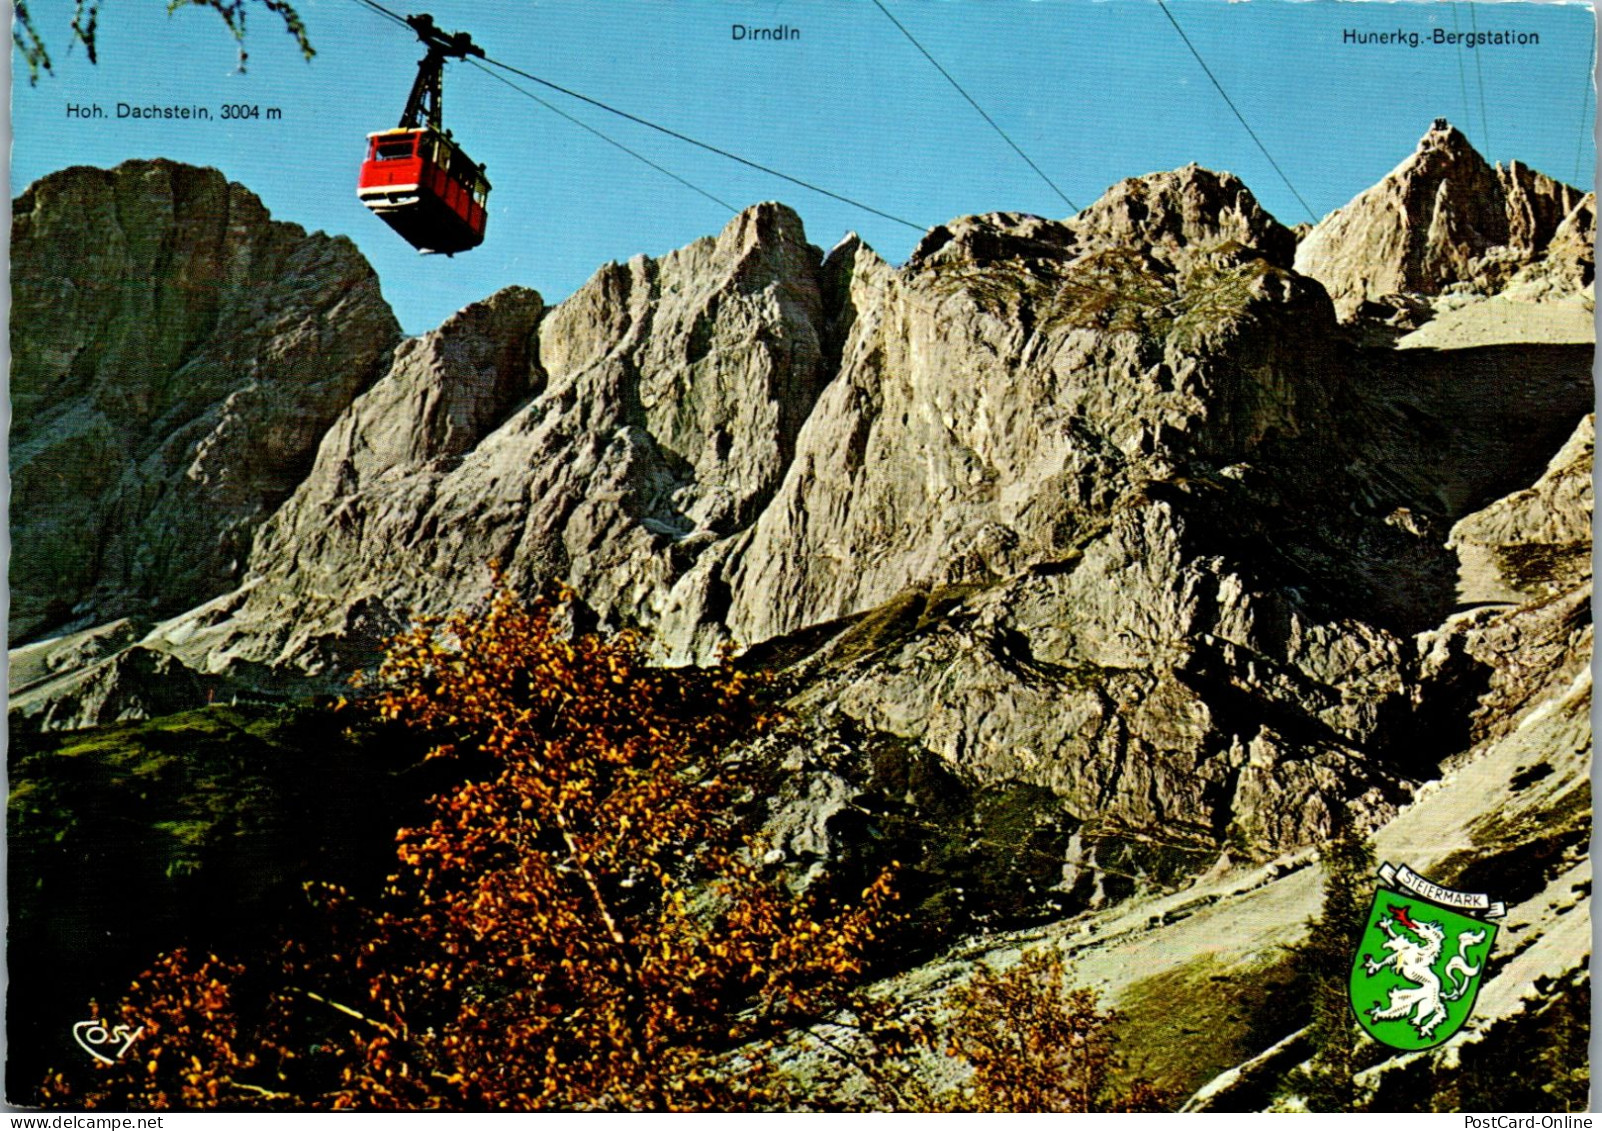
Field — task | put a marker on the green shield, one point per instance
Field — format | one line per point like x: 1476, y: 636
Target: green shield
x: 1417, y: 971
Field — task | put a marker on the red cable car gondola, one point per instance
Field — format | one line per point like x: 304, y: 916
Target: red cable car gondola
x: 416, y: 178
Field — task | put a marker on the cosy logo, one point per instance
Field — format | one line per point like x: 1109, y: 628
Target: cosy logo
x: 1418, y: 967
x: 105, y: 1045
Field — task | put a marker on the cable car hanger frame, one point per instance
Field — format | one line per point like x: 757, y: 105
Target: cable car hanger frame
x: 416, y: 178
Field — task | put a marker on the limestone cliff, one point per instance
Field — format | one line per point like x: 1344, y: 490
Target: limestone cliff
x: 1443, y: 218
x: 1106, y: 563
x: 176, y: 357
x: 650, y: 415
x: 1124, y: 480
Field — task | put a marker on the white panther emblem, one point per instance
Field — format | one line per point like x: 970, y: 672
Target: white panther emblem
x: 1423, y: 1002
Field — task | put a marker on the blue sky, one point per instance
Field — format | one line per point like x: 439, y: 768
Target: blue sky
x: 1093, y: 91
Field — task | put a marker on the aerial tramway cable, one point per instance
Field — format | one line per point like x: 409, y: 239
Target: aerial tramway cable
x: 1588, y: 104
x: 975, y: 105
x: 583, y: 125
x: 488, y: 62
x: 1479, y: 79
x: 673, y: 134
x: 1241, y: 118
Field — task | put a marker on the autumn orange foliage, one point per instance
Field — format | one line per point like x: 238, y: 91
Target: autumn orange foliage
x: 1034, y: 1044
x: 193, y: 1050
x: 581, y: 925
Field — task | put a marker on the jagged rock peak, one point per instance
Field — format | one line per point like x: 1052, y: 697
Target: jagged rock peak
x: 1185, y: 210
x: 993, y: 237
x: 608, y: 441
x: 176, y: 356
x: 767, y: 243
x: 766, y: 222
x: 1170, y: 216
x: 1443, y: 137
x: 1443, y: 218
x: 445, y: 391
x: 1534, y: 543
x: 755, y: 245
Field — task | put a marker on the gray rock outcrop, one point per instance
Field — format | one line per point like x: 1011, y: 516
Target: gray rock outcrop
x: 1533, y: 543
x: 176, y: 357
x: 1111, y: 511
x: 1442, y: 218
x: 649, y: 415
x: 1103, y: 568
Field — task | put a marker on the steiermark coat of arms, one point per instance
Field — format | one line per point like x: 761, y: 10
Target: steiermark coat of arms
x: 1418, y: 968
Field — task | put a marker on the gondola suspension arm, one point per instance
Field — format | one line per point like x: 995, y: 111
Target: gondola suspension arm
x: 426, y: 105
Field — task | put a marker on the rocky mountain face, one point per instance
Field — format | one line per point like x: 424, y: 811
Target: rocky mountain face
x: 1125, y: 481
x: 693, y: 472
x: 653, y: 412
x: 176, y: 357
x: 1096, y: 555
x: 1445, y: 218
